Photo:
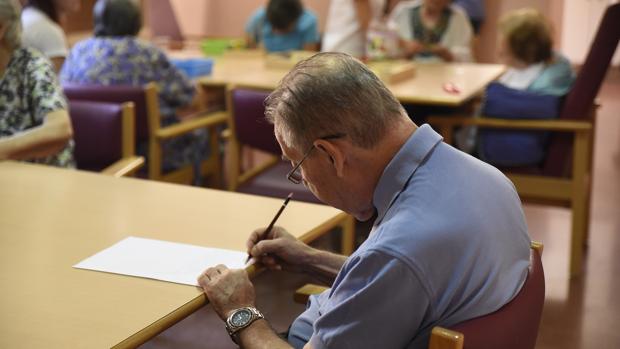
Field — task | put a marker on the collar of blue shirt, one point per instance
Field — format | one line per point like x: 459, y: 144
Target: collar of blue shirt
x: 402, y: 167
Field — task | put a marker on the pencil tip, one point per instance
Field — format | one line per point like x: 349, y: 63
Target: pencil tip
x: 290, y: 195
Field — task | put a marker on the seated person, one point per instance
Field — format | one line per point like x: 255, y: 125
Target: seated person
x: 433, y: 30
x: 284, y: 26
x: 526, y: 47
x: 34, y: 123
x: 42, y: 31
x: 114, y: 56
x: 439, y: 253
x: 536, y: 76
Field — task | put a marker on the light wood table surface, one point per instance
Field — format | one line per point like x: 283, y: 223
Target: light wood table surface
x: 426, y: 87
x: 51, y: 219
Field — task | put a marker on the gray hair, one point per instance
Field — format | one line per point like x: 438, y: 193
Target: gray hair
x: 116, y: 18
x: 10, y: 11
x: 330, y: 94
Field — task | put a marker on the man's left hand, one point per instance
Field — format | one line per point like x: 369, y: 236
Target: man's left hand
x: 227, y: 289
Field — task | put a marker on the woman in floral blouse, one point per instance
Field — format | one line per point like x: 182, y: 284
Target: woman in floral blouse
x: 34, y: 123
x: 114, y: 56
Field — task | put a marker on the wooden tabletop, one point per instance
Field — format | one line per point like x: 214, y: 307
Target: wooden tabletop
x: 51, y: 219
x: 426, y: 87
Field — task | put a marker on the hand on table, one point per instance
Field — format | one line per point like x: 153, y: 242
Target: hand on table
x: 227, y: 289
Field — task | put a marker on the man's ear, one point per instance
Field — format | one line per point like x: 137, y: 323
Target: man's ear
x: 336, y: 152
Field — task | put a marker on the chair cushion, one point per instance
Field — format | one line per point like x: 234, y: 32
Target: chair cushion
x: 515, y: 148
x: 97, y: 131
x: 273, y: 183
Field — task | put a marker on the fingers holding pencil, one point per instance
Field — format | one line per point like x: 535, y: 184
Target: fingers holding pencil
x: 261, y: 234
x: 279, y: 250
x: 257, y: 235
x: 261, y: 243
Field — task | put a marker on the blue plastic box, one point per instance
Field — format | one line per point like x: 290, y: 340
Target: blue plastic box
x: 194, y: 67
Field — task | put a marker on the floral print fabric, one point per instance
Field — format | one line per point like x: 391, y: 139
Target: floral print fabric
x: 130, y: 61
x: 29, y: 91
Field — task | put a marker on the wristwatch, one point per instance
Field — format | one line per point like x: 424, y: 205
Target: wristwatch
x: 240, y: 319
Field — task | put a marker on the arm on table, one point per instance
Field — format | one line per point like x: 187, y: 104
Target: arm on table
x: 41, y: 141
x: 228, y: 290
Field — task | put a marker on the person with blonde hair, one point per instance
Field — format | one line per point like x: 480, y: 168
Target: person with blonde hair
x: 526, y: 47
x: 34, y: 123
x: 532, y: 87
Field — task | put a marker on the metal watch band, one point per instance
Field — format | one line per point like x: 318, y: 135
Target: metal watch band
x: 233, y: 330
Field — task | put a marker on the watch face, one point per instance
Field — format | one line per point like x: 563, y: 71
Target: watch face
x: 241, y: 317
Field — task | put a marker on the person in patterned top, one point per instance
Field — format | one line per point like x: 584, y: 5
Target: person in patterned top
x: 34, y: 122
x: 114, y: 56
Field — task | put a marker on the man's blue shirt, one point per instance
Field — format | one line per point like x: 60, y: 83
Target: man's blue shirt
x: 449, y: 244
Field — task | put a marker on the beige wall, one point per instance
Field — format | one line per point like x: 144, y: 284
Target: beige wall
x: 226, y: 18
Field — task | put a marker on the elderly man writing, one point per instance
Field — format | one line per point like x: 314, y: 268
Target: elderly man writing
x: 449, y: 240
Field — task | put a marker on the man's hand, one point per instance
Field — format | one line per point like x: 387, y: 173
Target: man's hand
x: 279, y: 250
x: 227, y: 289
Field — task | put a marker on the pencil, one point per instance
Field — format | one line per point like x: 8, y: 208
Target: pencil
x: 273, y: 221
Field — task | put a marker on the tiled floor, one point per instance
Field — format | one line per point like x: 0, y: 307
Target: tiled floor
x: 579, y: 313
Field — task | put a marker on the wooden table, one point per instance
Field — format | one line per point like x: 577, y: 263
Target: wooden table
x: 50, y: 219
x: 426, y: 87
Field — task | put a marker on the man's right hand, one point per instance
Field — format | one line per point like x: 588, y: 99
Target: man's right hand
x: 279, y: 250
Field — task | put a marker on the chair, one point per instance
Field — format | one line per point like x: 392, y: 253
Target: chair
x: 104, y: 137
x: 149, y: 129
x: 247, y: 127
x: 515, y: 325
x: 564, y: 178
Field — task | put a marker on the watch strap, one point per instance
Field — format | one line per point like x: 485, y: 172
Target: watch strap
x: 233, y: 331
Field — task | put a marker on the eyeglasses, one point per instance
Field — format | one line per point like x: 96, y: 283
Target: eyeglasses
x: 295, y: 174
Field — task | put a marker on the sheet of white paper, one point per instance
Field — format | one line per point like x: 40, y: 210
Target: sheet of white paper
x: 161, y: 260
